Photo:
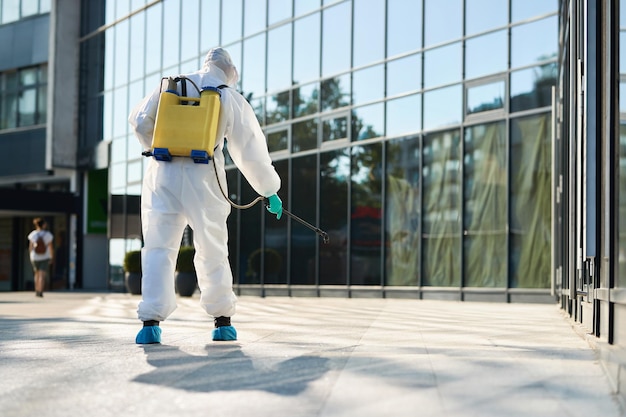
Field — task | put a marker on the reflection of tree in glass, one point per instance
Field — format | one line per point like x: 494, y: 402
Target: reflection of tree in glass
x: 280, y: 112
x: 332, y: 95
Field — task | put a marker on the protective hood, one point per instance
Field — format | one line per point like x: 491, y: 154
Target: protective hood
x: 218, y: 58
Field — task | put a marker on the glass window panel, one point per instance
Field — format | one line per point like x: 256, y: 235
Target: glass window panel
x: 402, y: 212
x: 118, y: 151
x: 250, y: 230
x: 254, y: 17
x: 304, y: 202
x: 29, y: 7
x: 485, y: 206
x: 121, y: 53
x: 171, y: 33
x: 306, y: 51
x: 443, y: 65
x: 530, y: 202
x: 524, y: 9
x: 190, y: 39
x: 366, y: 215
x: 8, y: 106
x: 109, y: 62
x: 28, y: 77
x: 336, y: 39
x: 253, y: 74
x: 209, y: 33
x: 532, y: 87
x: 232, y: 21
x: 304, y: 135
x: 107, y: 116
x: 534, y: 42
x: 135, y: 4
x: 279, y: 10
x: 335, y: 92
x: 137, y: 45
x: 622, y: 99
x: 486, y: 54
x: 333, y: 206
x: 10, y: 10
x: 277, y: 141
x: 235, y: 51
x: 621, y: 214
x: 485, y: 97
x: 42, y: 104
x: 443, y: 21
x: 442, y: 209
x: 369, y: 31
x: 622, y: 52
x: 278, y: 107
x: 279, y: 58
x: 443, y: 107
x: 404, y: 26
x: 43, y: 73
x: 334, y: 129
x: 368, y: 84
x: 118, y: 176
x: 27, y: 107
x: 404, y: 115
x: 134, y: 148
x: 134, y: 171
x: 153, y: 48
x: 404, y: 74
x: 368, y: 121
x: 120, y: 111
x: 275, y: 253
x: 305, y: 100
x: 304, y: 6
x: 258, y: 106
x: 483, y: 15
x: 44, y: 6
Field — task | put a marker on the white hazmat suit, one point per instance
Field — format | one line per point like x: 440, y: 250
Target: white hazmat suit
x: 182, y: 192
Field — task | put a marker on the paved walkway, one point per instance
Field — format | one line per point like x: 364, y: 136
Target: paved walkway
x: 73, y: 354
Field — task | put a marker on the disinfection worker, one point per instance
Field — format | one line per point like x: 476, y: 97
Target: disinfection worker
x: 180, y: 192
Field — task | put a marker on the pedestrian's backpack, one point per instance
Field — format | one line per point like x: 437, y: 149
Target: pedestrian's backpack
x: 40, y: 245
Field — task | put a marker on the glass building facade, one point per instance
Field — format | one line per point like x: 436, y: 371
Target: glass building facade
x: 417, y: 134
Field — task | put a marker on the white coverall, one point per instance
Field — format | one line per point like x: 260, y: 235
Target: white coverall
x: 182, y: 192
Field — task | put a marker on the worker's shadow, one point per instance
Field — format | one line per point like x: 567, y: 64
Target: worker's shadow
x: 227, y: 368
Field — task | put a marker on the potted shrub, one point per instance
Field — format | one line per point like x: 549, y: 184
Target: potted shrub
x: 132, y: 271
x: 273, y: 263
x: 186, y: 279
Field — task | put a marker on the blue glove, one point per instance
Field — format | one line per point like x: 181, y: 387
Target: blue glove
x: 275, y: 206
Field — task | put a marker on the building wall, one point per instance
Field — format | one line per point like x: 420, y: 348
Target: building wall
x: 402, y: 128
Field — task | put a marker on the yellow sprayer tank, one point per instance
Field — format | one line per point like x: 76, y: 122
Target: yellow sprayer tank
x: 182, y: 129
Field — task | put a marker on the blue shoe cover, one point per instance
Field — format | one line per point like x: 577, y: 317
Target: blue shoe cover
x: 224, y: 333
x: 148, y: 335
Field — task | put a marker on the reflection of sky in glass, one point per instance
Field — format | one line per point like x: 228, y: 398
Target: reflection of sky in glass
x: 404, y: 26
x: 278, y: 58
x: 622, y: 97
x: 404, y: 74
x: 485, y: 97
x: 253, y: 74
x: 478, y: 20
x: 231, y: 13
x: 525, y: 81
x: 306, y: 48
x: 372, y: 119
x: 534, y: 41
x: 443, y: 20
x: 443, y: 107
x: 256, y: 9
x: 336, y: 40
x: 524, y: 9
x: 303, y: 6
x: 308, y: 97
x: 486, y: 54
x: 443, y: 65
x: 404, y: 115
x: 368, y: 84
x: 278, y: 10
x: 369, y: 31
x: 622, y: 52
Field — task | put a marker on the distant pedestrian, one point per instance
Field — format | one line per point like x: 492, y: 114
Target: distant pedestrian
x: 41, y: 253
